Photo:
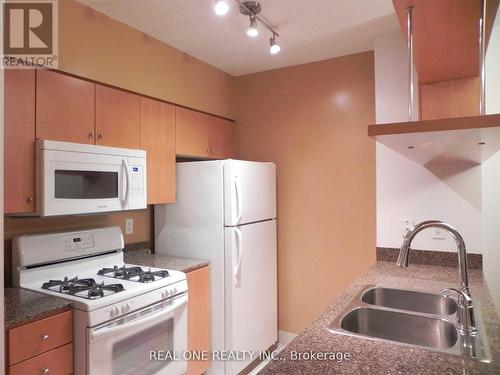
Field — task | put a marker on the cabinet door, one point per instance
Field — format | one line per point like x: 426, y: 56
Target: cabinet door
x: 192, y: 133
x: 222, y: 139
x: 158, y: 139
x: 19, y: 136
x: 64, y: 107
x: 117, y: 120
x: 40, y: 336
x: 56, y: 361
x: 198, y: 317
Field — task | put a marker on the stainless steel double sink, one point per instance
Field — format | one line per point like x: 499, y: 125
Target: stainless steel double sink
x: 409, y: 317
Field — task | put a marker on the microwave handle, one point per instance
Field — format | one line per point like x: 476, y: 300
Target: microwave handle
x: 149, y: 319
x: 126, y: 196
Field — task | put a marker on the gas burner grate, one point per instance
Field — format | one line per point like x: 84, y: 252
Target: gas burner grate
x: 134, y: 273
x: 83, y: 288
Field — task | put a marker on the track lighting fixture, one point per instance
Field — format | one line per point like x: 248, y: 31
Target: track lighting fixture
x: 221, y: 7
x: 275, y: 47
x: 252, y: 9
x: 252, y: 29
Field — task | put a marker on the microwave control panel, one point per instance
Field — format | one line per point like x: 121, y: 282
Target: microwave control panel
x: 136, y: 179
x: 78, y: 242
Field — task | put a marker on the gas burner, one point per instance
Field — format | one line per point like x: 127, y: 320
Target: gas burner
x: 83, y: 288
x: 134, y: 273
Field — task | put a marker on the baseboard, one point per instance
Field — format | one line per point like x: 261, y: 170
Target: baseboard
x: 285, y: 337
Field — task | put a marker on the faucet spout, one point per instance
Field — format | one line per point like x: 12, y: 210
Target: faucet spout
x: 404, y: 253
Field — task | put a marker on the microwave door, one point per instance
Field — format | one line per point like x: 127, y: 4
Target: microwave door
x: 74, y: 183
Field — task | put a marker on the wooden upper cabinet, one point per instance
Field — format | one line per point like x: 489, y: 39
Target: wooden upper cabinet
x: 198, y: 317
x: 192, y: 133
x: 64, y: 107
x: 222, y: 139
x: 204, y: 136
x: 19, y: 145
x: 117, y: 120
x: 158, y: 139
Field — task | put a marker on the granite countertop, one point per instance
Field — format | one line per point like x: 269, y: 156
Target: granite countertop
x: 375, y: 357
x: 144, y: 257
x: 22, y: 306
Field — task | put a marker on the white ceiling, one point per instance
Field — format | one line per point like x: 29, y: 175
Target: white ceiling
x: 310, y: 30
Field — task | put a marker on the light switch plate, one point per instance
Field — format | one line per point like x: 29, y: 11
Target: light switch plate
x: 129, y: 226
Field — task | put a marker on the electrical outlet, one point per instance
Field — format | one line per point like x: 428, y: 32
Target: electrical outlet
x: 406, y: 226
x: 438, y: 234
x: 129, y: 226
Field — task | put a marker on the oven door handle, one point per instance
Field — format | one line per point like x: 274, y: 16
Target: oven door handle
x: 147, y: 320
x: 127, y: 179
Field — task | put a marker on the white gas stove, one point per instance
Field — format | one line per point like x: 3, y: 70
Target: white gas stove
x: 121, y: 311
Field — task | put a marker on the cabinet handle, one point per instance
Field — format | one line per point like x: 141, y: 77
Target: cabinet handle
x: 45, y: 337
x: 29, y: 199
x: 91, y: 135
x: 45, y: 371
x: 99, y: 136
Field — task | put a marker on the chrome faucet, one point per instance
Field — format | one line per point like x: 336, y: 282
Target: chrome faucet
x: 466, y: 321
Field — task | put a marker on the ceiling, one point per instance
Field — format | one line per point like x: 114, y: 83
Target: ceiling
x: 310, y: 30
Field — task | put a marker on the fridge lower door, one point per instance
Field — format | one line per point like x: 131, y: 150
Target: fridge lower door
x: 251, y: 290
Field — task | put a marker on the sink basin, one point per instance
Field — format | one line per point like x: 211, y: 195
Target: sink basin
x: 411, y: 318
x: 406, y: 328
x: 410, y: 300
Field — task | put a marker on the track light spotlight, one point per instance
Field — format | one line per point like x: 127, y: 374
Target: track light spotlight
x: 275, y: 47
x: 252, y: 29
x: 221, y: 7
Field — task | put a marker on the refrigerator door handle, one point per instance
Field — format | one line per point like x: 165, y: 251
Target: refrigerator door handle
x: 239, y: 201
x: 238, y: 255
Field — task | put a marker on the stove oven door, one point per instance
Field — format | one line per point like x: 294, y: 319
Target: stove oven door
x: 144, y: 342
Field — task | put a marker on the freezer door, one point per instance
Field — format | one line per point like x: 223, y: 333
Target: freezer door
x: 251, y: 290
x: 250, y: 192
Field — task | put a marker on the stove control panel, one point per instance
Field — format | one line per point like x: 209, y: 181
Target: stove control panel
x: 78, y: 242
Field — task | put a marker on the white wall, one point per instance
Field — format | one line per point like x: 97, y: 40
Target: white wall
x: 493, y: 70
x: 491, y: 176
x: 407, y: 190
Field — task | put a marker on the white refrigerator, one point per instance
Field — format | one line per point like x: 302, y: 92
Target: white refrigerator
x: 225, y: 211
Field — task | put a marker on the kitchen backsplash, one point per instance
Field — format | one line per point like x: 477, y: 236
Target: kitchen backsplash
x: 16, y: 226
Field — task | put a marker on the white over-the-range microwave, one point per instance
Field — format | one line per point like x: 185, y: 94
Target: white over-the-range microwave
x: 75, y: 178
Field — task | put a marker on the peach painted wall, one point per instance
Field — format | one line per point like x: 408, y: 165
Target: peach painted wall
x: 311, y: 120
x: 97, y: 47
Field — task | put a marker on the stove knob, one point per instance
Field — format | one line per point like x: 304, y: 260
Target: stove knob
x: 125, y: 308
x: 115, y: 311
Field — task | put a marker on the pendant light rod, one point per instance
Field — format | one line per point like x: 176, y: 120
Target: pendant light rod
x: 482, y: 59
x: 261, y: 20
x: 411, y: 75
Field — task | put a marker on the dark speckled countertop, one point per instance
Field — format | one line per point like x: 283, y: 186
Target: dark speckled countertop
x: 375, y: 357
x: 144, y: 257
x: 22, y: 306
